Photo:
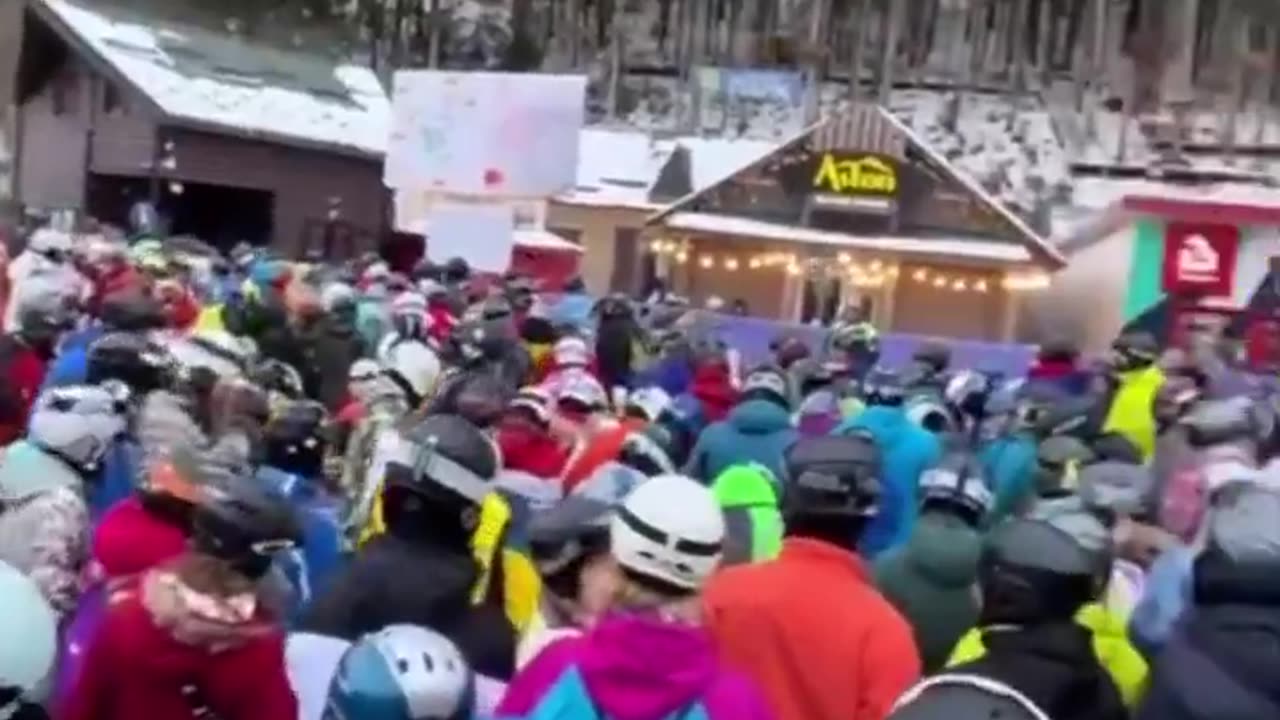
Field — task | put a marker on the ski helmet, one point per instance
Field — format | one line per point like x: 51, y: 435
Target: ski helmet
x: 457, y: 270
x: 767, y: 383
x: 171, y: 486
x: 409, y: 318
x: 78, y: 423
x: 1074, y: 417
x: 931, y: 413
x: 583, y: 391
x: 131, y: 312
x: 1058, y: 463
x: 1133, y: 350
x: 295, y: 439
x: 1227, y: 421
x: 132, y: 359
x: 957, y: 485
x: 859, y: 338
x: 245, y: 525
x: 788, y: 350
x: 959, y: 696
x: 402, y: 672
x: 669, y: 532
x: 570, y: 352
x: 967, y: 392
x: 613, y: 307
x: 28, y: 641
x: 443, y: 457
x: 1115, y: 488
x: 413, y: 367
x: 836, y: 477
x: 219, y: 353
x: 883, y: 386
x: 647, y: 403
x: 563, y: 538
x: 1031, y: 571
x: 651, y: 450
x: 534, y: 403
x: 277, y: 378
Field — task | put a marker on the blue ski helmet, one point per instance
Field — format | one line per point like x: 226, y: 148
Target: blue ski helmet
x: 403, y: 672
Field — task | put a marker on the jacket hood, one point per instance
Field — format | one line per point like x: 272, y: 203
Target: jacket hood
x: 212, y: 622
x: 26, y: 470
x: 944, y: 550
x: 638, y: 667
x: 712, y: 388
x: 759, y: 417
x: 130, y: 540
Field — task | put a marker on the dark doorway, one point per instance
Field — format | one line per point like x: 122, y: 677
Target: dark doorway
x: 219, y: 215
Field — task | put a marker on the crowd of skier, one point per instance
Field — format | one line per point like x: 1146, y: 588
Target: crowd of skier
x: 243, y: 488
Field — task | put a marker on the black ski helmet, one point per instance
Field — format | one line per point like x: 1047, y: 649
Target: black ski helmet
x: 245, y: 525
x: 1032, y: 571
x: 131, y: 312
x: 457, y: 270
x: 130, y: 358
x: 832, y: 478
x: 295, y: 439
x: 564, y: 537
x: 445, y: 467
x: 957, y: 485
x: 883, y: 386
x: 277, y: 377
x: 960, y: 696
x: 1058, y: 462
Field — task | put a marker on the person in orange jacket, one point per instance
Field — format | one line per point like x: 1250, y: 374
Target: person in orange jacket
x: 809, y: 627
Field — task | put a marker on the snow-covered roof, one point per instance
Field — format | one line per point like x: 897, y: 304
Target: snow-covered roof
x: 540, y: 239
x: 743, y: 227
x: 218, y: 81
x: 617, y: 168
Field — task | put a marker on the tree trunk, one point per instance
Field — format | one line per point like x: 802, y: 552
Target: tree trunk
x: 1044, y: 40
x: 1238, y: 84
x: 858, y: 45
x: 616, y: 68
x: 889, y: 51
x: 437, y: 35
x: 733, y: 41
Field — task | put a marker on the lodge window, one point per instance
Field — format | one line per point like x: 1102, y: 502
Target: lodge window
x: 65, y: 93
x: 112, y: 99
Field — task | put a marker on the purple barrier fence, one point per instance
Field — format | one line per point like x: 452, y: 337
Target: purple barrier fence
x: 751, y: 336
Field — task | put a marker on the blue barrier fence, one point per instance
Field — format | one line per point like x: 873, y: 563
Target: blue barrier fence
x: 751, y: 336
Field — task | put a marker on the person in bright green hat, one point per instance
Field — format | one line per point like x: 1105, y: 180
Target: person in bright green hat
x: 753, y: 524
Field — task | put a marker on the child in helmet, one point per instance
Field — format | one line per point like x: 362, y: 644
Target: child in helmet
x: 570, y: 547
x: 192, y: 638
x: 930, y: 578
x: 647, y: 658
x: 44, y: 518
x: 1035, y: 576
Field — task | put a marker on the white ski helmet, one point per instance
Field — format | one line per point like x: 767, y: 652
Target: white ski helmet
x: 223, y: 354
x: 571, y: 352
x: 79, y: 422
x: 649, y: 402
x: 28, y: 637
x: 670, y: 529
x: 585, y: 390
x: 413, y: 364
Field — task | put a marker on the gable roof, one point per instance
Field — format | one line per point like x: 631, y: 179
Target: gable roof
x: 621, y: 168
x: 217, y: 82
x: 892, y: 136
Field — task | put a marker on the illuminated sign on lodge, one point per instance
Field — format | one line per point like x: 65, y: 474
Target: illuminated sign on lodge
x: 855, y: 175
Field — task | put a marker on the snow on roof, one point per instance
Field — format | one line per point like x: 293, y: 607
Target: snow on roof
x: 539, y: 239
x: 742, y: 227
x: 216, y: 79
x: 616, y: 168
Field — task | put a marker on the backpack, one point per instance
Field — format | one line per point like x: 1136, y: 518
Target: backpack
x: 567, y: 699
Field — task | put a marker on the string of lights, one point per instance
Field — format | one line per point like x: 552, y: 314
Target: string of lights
x: 863, y: 273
